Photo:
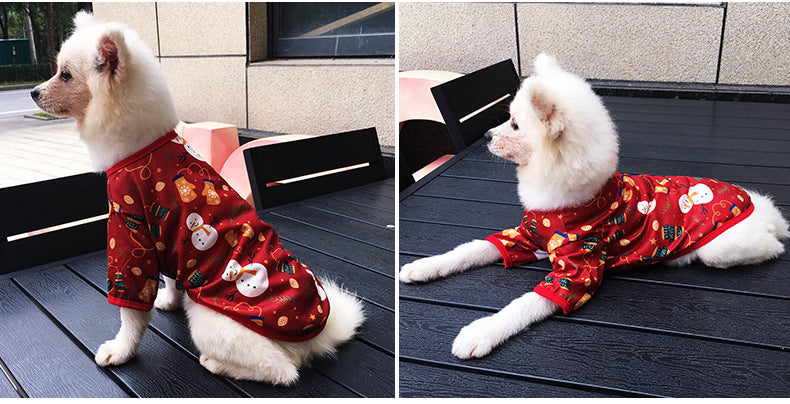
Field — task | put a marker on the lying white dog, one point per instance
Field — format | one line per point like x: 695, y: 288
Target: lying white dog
x: 255, y: 311
x: 588, y: 219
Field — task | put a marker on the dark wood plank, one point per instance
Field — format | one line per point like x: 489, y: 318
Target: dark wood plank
x: 777, y: 158
x: 43, y: 359
x: 737, y: 174
x: 603, y: 356
x: 465, y: 381
x: 709, y: 142
x: 159, y: 370
x: 353, y: 211
x: 332, y: 244
x: 366, y: 233
x: 484, y: 215
x: 368, y: 199
x: 7, y: 389
x: 363, y: 369
x: 659, y: 128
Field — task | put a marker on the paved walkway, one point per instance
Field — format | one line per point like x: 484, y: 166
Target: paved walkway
x: 33, y: 150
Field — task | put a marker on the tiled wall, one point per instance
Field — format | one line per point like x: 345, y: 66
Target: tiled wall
x: 669, y: 43
x: 203, y: 51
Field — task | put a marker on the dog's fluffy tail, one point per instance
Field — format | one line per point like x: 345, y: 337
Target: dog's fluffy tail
x: 345, y: 317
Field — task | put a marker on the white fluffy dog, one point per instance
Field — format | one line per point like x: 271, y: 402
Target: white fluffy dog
x: 110, y: 82
x: 565, y: 144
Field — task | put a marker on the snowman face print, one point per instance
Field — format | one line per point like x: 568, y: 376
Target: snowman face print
x: 204, y: 236
x: 251, y: 280
x: 697, y: 195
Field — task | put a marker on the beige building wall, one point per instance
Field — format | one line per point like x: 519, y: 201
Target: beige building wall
x: 702, y: 43
x: 202, y: 48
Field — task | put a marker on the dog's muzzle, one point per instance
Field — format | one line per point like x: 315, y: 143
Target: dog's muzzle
x: 489, y: 135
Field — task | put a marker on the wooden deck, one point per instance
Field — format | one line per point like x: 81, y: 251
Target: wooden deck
x: 55, y: 316
x: 652, y: 331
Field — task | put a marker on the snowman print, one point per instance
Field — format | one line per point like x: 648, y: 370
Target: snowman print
x: 251, y: 280
x: 697, y: 195
x: 204, y: 236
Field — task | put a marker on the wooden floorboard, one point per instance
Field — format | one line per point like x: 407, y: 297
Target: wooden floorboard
x: 657, y: 331
x: 55, y: 316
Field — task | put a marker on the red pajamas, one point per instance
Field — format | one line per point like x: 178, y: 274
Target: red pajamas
x: 171, y: 213
x: 634, y: 220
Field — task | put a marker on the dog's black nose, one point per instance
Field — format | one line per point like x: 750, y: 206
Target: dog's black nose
x: 34, y: 94
x: 489, y: 135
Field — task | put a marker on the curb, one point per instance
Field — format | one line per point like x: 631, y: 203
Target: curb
x: 17, y: 87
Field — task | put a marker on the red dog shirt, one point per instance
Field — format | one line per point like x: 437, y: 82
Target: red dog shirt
x: 634, y: 220
x: 171, y: 213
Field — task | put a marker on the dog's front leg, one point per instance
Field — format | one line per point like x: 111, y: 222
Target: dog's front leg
x: 482, y: 335
x: 169, y: 297
x: 466, y: 256
x: 119, y: 350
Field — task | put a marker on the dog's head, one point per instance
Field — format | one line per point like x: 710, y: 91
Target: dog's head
x: 91, y: 61
x: 559, y: 132
x: 109, y: 80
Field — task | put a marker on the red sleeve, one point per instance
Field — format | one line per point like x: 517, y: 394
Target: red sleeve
x: 577, y: 272
x: 133, y: 264
x: 514, y: 247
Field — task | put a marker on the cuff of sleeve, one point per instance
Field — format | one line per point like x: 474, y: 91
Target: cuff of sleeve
x: 502, y: 250
x: 129, y: 304
x: 564, y: 304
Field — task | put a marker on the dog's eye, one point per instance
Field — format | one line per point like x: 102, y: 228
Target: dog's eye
x: 65, y: 76
x: 513, y: 125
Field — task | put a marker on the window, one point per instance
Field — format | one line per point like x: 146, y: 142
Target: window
x: 331, y: 30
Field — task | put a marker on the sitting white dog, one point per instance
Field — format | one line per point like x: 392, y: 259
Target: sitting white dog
x: 588, y: 219
x: 255, y: 311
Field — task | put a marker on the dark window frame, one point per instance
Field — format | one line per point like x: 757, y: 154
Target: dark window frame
x: 375, y: 45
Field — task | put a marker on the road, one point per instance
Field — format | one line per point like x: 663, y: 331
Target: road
x: 16, y: 103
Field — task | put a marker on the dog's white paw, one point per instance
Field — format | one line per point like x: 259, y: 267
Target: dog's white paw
x: 476, y: 339
x: 168, y: 300
x: 422, y: 270
x: 114, y: 352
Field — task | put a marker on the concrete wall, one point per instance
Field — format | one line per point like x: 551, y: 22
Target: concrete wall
x: 203, y: 51
x: 640, y: 42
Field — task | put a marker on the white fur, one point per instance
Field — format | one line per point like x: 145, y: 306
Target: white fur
x: 130, y: 107
x: 230, y: 349
x: 566, y: 147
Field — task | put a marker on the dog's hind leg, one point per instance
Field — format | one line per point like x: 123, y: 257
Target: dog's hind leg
x: 275, y: 370
x: 466, y: 256
x: 753, y: 240
x: 231, y: 349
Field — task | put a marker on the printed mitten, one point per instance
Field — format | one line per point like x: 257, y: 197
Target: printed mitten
x: 212, y: 197
x: 185, y: 188
x: 149, y: 289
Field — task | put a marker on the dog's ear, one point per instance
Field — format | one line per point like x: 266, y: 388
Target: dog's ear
x: 546, y: 109
x: 545, y: 63
x: 112, y: 55
x: 84, y: 19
